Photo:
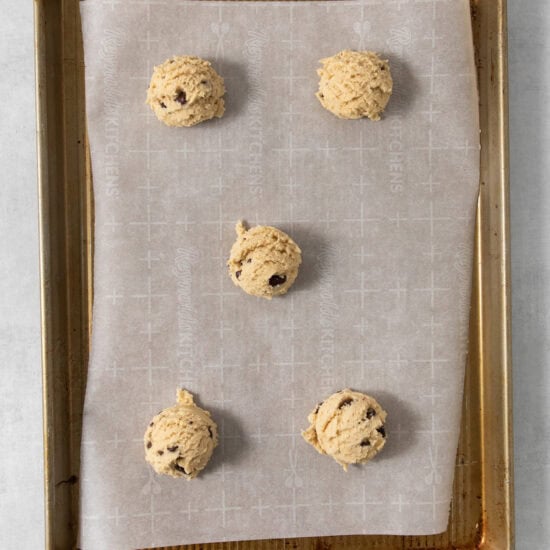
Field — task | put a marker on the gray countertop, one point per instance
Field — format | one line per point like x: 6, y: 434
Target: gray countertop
x: 21, y: 473
x: 21, y: 494
x: 529, y: 58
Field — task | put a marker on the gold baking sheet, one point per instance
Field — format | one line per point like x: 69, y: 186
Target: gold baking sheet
x: 482, y: 508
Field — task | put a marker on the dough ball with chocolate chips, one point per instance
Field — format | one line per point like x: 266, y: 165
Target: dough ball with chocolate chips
x: 348, y: 426
x: 186, y: 90
x: 264, y: 261
x: 179, y: 441
x: 355, y: 84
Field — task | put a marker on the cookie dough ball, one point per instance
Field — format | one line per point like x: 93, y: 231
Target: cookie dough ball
x: 180, y: 440
x: 348, y: 426
x: 186, y: 90
x: 354, y: 84
x: 264, y: 261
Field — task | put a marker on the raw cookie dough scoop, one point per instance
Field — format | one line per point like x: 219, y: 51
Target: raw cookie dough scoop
x: 186, y: 90
x: 355, y: 84
x: 264, y: 260
x: 348, y: 426
x: 180, y: 440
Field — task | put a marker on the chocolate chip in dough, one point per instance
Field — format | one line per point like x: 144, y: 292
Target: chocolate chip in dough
x: 181, y: 98
x: 381, y: 431
x: 346, y: 402
x: 276, y: 280
x: 370, y: 413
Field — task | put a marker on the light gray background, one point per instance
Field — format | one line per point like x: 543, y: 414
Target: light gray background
x: 21, y: 509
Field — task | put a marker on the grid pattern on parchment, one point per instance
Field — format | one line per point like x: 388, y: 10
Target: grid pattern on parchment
x: 384, y: 215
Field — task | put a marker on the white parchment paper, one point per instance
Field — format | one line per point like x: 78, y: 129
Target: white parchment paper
x: 384, y: 214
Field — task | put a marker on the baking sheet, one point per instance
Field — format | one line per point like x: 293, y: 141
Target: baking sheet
x: 384, y: 214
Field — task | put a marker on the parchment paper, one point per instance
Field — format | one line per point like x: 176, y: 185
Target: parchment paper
x: 384, y: 215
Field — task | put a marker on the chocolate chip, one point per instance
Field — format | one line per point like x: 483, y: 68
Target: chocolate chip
x: 249, y: 261
x: 276, y: 280
x: 162, y: 105
x: 238, y: 273
x: 318, y: 407
x: 210, y: 432
x: 381, y: 431
x: 190, y: 422
x: 345, y: 402
x: 149, y: 444
x: 179, y: 468
x: 181, y: 98
x: 172, y: 449
x: 160, y: 453
x: 204, y: 82
x: 370, y: 413
x: 152, y: 424
x: 365, y: 443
